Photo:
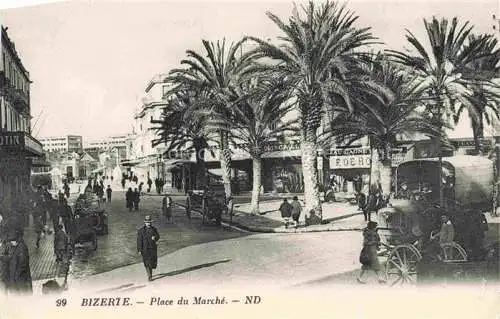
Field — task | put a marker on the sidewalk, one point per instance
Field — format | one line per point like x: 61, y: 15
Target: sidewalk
x: 336, y: 217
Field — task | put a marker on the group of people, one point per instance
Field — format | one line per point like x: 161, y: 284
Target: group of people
x: 372, y: 203
x: 97, y: 187
x: 132, y: 199
x: 291, y: 210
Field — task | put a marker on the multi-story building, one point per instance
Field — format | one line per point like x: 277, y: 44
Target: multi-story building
x: 144, y: 159
x: 17, y: 146
x: 113, y: 144
x: 67, y: 143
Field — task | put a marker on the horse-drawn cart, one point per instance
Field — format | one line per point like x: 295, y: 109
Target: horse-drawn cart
x: 210, y: 202
x: 409, y: 224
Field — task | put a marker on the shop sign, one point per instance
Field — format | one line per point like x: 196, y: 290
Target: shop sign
x: 19, y: 141
x: 351, y: 161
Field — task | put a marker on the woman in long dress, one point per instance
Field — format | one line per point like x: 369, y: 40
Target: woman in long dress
x: 369, y: 256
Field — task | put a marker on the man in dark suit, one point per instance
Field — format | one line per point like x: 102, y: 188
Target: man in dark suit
x: 147, y: 237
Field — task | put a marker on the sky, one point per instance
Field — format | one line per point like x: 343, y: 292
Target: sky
x: 90, y: 61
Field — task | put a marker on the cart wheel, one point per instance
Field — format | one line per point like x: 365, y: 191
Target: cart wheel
x: 401, y: 266
x: 452, y: 252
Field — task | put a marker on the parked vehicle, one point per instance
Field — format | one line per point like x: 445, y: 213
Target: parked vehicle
x: 406, y: 225
x: 210, y: 202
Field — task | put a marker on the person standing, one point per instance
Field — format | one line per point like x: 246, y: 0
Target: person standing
x: 18, y: 265
x: 368, y: 256
x: 129, y: 199
x: 60, y: 243
x: 147, y: 237
x: 286, y: 211
x: 136, y: 199
x: 167, y: 207
x: 123, y: 183
x: 39, y: 228
x: 149, y: 184
x: 296, y: 210
x: 108, y: 193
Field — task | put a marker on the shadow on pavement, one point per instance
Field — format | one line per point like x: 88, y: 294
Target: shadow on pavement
x: 192, y: 268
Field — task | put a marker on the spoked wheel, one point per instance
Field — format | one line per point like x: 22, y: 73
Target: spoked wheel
x: 401, y: 266
x: 452, y: 252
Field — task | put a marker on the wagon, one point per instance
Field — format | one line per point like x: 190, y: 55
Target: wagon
x: 209, y: 201
x: 406, y: 225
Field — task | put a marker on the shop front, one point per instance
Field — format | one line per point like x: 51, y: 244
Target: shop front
x: 17, y: 149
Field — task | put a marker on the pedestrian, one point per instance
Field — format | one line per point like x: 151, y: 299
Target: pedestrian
x: 147, y: 237
x: 149, y: 184
x: 64, y: 214
x: 66, y: 189
x: 18, y: 274
x: 371, y: 204
x: 167, y: 207
x: 296, y: 210
x: 445, y: 235
x: 60, y: 243
x: 108, y: 193
x: 129, y: 199
x: 38, y: 223
x: 136, y: 199
x: 140, y: 186
x: 123, y: 183
x: 368, y: 256
x: 286, y: 211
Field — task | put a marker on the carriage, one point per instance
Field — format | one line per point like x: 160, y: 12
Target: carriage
x: 412, y: 218
x: 87, y: 221
x: 210, y: 202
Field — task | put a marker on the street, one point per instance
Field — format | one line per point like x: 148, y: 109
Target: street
x: 118, y: 248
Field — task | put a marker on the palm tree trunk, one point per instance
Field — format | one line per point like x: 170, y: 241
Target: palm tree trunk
x: 386, y: 170
x: 478, y: 133
x: 225, y: 162
x: 257, y: 181
x: 200, y: 166
x: 310, y: 173
x: 374, y: 168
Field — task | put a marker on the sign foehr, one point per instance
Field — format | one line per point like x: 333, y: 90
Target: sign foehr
x: 350, y: 161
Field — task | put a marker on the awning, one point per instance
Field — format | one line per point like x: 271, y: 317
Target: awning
x: 174, y: 164
x: 215, y: 171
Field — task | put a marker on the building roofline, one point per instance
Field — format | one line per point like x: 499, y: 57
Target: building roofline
x: 12, y: 48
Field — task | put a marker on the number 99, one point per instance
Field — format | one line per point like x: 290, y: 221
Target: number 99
x: 61, y: 302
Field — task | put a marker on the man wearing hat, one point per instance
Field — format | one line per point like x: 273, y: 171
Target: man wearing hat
x: 147, y: 236
x: 18, y: 273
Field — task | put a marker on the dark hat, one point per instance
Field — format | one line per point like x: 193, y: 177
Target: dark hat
x: 295, y: 198
x: 147, y: 219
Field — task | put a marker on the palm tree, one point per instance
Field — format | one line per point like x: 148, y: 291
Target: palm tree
x: 445, y: 69
x: 385, y: 114
x: 183, y: 128
x: 215, y: 74
x: 485, y: 97
x: 257, y: 121
x: 316, y: 57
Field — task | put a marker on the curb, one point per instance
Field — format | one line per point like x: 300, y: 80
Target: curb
x: 283, y: 230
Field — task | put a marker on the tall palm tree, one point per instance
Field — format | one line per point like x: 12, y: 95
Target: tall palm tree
x: 385, y: 116
x: 317, y: 55
x: 485, y: 97
x: 257, y: 121
x: 215, y: 71
x: 445, y: 68
x: 182, y: 128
